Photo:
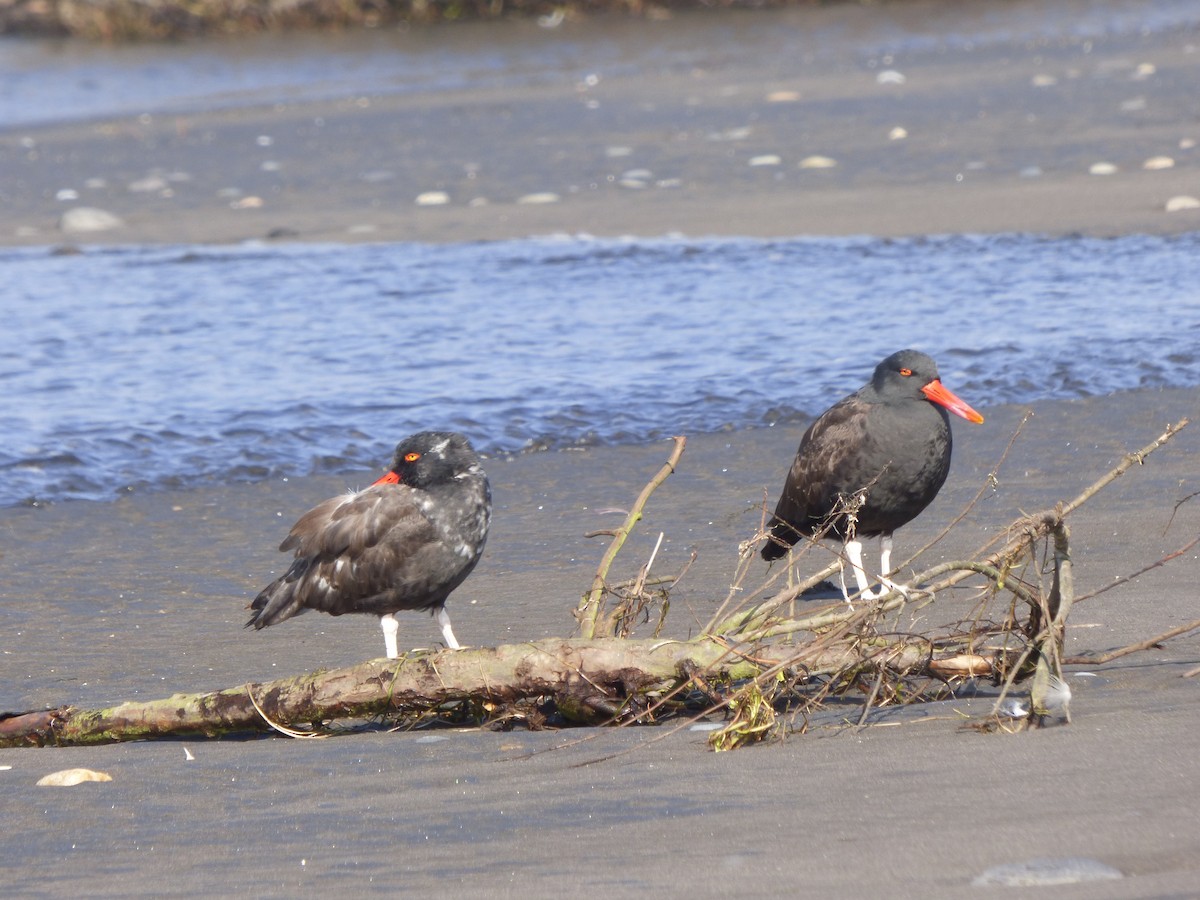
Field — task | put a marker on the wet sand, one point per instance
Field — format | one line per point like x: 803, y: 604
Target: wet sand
x: 701, y: 124
x: 143, y: 597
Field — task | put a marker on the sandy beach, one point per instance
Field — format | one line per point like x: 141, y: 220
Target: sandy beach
x: 765, y: 124
x: 143, y: 597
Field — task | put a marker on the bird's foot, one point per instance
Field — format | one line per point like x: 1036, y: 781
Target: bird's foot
x: 887, y: 586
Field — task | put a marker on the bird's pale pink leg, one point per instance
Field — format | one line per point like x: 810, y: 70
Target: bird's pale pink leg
x: 443, y: 618
x: 886, y: 585
x: 854, y: 554
x: 390, y: 628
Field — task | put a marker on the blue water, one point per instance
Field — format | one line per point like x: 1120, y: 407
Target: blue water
x: 156, y: 368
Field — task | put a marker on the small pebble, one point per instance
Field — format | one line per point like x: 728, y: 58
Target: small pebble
x: 83, y: 219
x: 729, y: 134
x: 1158, y: 162
x: 817, y: 162
x: 783, y: 96
x: 433, y: 198
x: 1044, y: 81
x: 148, y: 185
x: 1042, y: 872
x: 1144, y: 71
x: 1102, y: 168
x: 897, y: 134
x: 890, y: 76
x: 543, y: 197
x: 1186, y: 143
x: 1181, y: 202
x: 67, y: 194
x: 70, y: 777
x: 767, y: 159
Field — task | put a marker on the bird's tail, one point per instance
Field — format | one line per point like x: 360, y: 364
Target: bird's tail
x: 779, y: 541
x: 276, y: 602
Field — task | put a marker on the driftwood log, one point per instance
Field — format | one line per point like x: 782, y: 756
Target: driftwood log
x: 755, y: 655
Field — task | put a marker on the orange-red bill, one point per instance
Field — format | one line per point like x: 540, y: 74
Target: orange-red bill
x: 389, y: 478
x: 943, y: 396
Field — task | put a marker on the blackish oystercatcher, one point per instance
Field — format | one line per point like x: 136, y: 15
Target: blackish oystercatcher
x: 889, y: 444
x: 405, y: 542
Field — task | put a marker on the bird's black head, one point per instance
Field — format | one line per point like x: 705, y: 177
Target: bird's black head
x: 432, y: 457
x: 904, y: 374
x: 911, y: 375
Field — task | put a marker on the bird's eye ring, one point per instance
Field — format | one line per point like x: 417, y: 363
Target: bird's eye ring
x: 906, y: 372
x: 411, y: 457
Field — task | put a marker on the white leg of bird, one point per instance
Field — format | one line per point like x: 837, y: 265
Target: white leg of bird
x: 443, y: 618
x: 390, y: 628
x: 854, y: 554
x: 886, y: 585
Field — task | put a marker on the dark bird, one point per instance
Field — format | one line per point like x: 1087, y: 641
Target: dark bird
x: 885, y: 449
x: 405, y: 542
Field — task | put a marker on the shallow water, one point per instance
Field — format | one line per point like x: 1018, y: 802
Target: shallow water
x: 162, y: 367
x: 52, y: 80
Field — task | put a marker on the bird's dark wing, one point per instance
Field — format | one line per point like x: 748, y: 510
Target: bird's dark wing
x: 830, y: 454
x: 351, y: 550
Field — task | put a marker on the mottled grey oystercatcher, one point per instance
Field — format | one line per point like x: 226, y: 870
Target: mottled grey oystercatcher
x: 405, y: 542
x: 885, y: 449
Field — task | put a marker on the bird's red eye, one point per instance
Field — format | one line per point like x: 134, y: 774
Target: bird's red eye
x: 411, y: 457
x: 906, y: 372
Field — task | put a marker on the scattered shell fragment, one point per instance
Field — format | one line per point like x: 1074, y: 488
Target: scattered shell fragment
x: 616, y: 152
x: 433, y: 198
x: 541, y: 197
x: 1186, y: 143
x: 817, y: 162
x: 1031, y: 172
x: 897, y: 134
x: 69, y: 777
x: 1181, y: 202
x: 148, y: 185
x: 1143, y: 71
x: 250, y: 202
x: 890, y: 76
x: 729, y: 134
x: 187, y: 755
x: 264, y: 140
x: 66, y: 194
x: 1158, y: 162
x: 88, y: 218
x: 1102, y: 168
x: 1043, y: 81
x: 766, y: 159
x: 376, y: 176
x: 1042, y: 872
x: 783, y: 96
x: 1134, y: 104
